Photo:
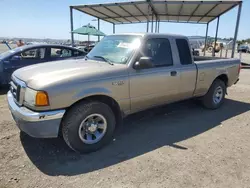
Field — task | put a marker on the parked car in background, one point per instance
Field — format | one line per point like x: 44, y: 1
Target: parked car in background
x: 195, y: 52
x: 33, y: 54
x: 244, y: 48
x: 84, y: 100
x: 86, y: 49
x: 89, y: 48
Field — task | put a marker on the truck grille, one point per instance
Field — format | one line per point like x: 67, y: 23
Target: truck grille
x: 17, y: 88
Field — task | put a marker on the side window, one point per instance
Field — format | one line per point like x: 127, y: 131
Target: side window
x: 159, y: 50
x: 184, y: 51
x: 36, y: 53
x: 60, y: 52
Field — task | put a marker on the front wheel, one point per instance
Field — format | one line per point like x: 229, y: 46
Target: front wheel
x: 88, y: 126
x: 215, y: 95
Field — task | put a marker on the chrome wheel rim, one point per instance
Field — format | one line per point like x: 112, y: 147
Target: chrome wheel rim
x: 218, y: 95
x: 92, y: 128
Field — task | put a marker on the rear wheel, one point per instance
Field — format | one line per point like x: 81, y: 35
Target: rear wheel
x: 88, y: 126
x: 215, y: 95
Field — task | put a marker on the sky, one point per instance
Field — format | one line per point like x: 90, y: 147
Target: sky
x: 51, y: 19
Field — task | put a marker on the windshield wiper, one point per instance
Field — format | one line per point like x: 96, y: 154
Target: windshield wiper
x: 105, y: 59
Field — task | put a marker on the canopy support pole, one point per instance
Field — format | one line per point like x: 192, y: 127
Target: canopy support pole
x: 148, y: 19
x: 156, y: 25
x: 236, y: 30
x: 147, y: 25
x: 71, y: 26
x: 216, y: 35
x: 98, y: 26
x: 152, y: 26
x: 159, y: 26
x: 206, y: 40
x: 114, y: 28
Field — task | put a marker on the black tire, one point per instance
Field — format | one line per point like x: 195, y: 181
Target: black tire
x: 208, y: 101
x: 73, y: 119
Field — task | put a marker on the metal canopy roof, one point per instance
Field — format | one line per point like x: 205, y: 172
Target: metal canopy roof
x: 187, y: 11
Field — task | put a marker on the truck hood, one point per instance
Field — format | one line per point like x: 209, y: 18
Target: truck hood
x: 43, y: 75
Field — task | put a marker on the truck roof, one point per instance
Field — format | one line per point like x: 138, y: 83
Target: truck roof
x: 154, y: 34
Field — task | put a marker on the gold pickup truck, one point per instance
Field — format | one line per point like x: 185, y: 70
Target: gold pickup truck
x: 85, y: 99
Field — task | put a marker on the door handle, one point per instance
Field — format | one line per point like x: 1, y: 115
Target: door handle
x: 173, y: 73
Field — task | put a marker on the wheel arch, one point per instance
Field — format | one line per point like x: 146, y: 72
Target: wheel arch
x: 111, y: 102
x: 223, y: 77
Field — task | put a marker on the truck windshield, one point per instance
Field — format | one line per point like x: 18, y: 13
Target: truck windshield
x: 116, y: 49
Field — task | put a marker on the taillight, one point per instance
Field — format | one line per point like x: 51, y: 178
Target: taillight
x: 239, y: 68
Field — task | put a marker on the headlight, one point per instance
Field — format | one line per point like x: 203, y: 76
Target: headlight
x: 36, y: 98
x: 30, y: 96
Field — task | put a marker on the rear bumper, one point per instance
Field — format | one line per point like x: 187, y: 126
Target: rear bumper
x: 35, y: 124
x: 236, y: 81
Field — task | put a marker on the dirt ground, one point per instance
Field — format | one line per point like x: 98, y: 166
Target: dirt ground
x: 4, y: 48
x: 179, y: 145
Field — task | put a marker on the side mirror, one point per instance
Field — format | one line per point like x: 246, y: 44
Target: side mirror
x: 144, y: 63
x: 16, y: 57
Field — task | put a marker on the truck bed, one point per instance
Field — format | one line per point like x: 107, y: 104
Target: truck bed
x: 204, y: 58
x: 209, y: 68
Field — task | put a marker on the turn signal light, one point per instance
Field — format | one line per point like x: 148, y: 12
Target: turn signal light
x: 42, y: 98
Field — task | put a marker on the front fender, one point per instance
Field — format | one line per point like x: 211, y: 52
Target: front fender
x: 124, y: 103
x: 92, y: 91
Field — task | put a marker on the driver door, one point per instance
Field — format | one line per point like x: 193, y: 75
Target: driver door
x: 156, y: 85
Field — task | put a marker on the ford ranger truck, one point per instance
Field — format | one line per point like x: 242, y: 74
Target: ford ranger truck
x: 84, y: 100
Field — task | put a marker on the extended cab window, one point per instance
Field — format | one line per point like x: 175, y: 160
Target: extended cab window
x: 184, y: 51
x: 159, y: 50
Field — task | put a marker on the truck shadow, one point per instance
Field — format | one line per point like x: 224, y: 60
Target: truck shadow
x: 141, y: 133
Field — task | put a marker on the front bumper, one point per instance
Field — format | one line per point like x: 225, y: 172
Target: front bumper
x: 35, y: 124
